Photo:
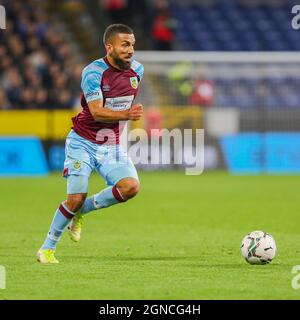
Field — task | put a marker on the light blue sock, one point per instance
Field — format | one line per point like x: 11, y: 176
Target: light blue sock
x: 61, y: 219
x: 103, y: 199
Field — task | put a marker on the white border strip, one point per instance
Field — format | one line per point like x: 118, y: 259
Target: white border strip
x: 221, y: 57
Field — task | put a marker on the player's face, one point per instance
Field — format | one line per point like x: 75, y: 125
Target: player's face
x: 122, y: 49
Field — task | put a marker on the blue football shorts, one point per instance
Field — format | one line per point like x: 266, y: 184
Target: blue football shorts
x: 83, y: 156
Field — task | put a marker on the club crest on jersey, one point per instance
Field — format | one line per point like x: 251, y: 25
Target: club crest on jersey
x: 134, y: 82
x: 77, y: 165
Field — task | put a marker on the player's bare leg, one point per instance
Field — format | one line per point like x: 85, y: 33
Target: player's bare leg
x: 124, y: 190
x: 128, y: 188
x: 74, y: 202
x: 62, y: 217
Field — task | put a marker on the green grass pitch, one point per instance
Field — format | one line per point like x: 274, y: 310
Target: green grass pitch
x: 178, y: 239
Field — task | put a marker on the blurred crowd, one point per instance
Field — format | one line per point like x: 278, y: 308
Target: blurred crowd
x: 152, y: 20
x: 36, y: 71
x: 35, y: 67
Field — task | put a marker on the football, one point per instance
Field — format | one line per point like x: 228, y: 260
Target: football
x: 258, y: 247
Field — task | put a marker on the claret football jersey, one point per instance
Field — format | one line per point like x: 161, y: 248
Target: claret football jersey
x: 116, y: 88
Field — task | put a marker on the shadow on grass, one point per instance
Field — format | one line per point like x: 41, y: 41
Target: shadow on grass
x: 183, y: 261
x: 193, y: 261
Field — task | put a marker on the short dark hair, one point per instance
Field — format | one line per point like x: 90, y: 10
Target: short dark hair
x: 114, y: 29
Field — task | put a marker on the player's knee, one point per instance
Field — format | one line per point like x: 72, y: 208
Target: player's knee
x: 133, y: 189
x: 75, y: 201
x: 129, y: 188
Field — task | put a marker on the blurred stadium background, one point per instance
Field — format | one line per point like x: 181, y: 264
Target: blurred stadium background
x: 230, y: 67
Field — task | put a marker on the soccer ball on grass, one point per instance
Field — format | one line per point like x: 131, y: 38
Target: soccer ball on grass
x: 258, y: 247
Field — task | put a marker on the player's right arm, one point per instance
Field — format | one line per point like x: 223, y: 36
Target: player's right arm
x: 90, y: 84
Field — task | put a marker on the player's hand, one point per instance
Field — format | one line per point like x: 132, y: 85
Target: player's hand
x: 135, y: 112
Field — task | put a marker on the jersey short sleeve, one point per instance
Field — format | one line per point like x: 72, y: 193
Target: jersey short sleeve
x: 138, y: 68
x: 91, y: 80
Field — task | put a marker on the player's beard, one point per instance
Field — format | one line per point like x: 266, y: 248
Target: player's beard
x: 122, y: 64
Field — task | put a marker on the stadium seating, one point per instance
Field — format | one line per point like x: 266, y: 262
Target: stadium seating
x: 234, y: 26
x: 237, y: 25
x: 258, y: 92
